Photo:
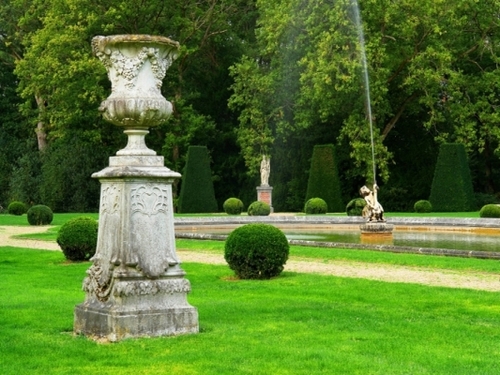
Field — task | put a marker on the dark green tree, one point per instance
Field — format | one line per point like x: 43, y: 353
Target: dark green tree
x: 62, y: 84
x: 197, y: 189
x: 14, y: 132
x: 451, y: 189
x: 324, y: 180
x: 66, y: 184
x: 432, y: 65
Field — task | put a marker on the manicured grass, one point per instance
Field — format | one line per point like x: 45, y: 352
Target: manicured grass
x: 59, y: 219
x: 294, y: 324
x: 45, y: 234
x: 6, y: 219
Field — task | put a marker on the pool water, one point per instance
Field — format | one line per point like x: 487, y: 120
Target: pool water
x: 425, y: 239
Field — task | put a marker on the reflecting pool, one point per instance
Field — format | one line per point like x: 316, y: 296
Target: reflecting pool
x: 426, y: 239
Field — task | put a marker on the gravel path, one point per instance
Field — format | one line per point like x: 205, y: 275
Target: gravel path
x: 387, y: 273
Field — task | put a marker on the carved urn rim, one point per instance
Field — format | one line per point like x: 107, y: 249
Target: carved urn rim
x: 100, y: 42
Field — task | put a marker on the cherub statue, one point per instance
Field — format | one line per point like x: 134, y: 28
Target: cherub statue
x: 373, y: 210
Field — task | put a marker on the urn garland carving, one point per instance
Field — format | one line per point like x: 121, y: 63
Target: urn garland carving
x: 136, y: 66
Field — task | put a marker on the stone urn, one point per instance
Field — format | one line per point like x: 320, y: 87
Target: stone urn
x: 135, y: 286
x: 136, y: 66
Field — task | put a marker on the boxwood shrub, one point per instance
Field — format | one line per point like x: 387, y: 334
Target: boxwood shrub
x: 259, y: 208
x: 233, y: 206
x: 355, y: 207
x: 40, y: 215
x: 17, y: 208
x: 78, y: 238
x: 490, y: 210
x: 422, y: 206
x: 256, y: 251
x: 316, y: 206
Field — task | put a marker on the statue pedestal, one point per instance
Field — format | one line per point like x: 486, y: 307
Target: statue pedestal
x: 265, y: 194
x: 135, y: 286
x: 376, y: 233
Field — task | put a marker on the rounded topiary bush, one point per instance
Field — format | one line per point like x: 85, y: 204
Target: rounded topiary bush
x: 233, y: 206
x: 256, y: 251
x: 422, y: 206
x: 259, y: 208
x: 17, y: 208
x: 355, y: 207
x: 78, y: 238
x: 490, y: 210
x: 315, y: 206
x: 40, y: 215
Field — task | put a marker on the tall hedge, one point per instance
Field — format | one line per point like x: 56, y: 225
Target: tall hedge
x: 451, y: 189
x: 324, y: 179
x: 197, y: 190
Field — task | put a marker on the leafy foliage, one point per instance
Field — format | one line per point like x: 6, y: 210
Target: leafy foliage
x: 295, y: 77
x: 256, y: 251
x: 324, y: 179
x: 355, y: 207
x: 430, y: 67
x: 14, y: 131
x: 452, y: 185
x: 66, y: 184
x: 258, y: 208
x: 233, y: 206
x: 62, y: 84
x: 26, y: 178
x: 197, y: 189
x: 16, y: 208
x: 422, y: 206
x: 78, y: 238
x: 315, y: 206
x: 40, y: 215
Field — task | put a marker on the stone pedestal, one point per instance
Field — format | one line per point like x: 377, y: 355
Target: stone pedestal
x: 135, y: 286
x: 376, y: 233
x: 265, y: 194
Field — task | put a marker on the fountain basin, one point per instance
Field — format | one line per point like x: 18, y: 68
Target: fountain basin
x: 478, y: 238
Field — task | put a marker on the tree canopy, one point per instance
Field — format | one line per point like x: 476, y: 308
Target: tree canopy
x: 259, y: 77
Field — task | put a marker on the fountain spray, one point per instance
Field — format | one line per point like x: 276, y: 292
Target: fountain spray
x: 366, y: 80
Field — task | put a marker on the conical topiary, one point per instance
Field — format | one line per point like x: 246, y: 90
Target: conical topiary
x: 197, y: 189
x: 451, y: 189
x: 324, y: 179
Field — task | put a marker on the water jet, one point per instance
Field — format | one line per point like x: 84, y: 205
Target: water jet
x: 375, y: 229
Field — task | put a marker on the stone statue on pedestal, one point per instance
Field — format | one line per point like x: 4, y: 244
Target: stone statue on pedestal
x: 265, y: 170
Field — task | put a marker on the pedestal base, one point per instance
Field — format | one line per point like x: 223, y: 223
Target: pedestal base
x: 137, y: 308
x: 135, y: 286
x: 113, y: 325
x: 265, y: 194
x: 376, y: 233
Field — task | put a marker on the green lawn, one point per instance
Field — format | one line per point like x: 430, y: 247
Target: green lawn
x: 59, y: 219
x: 294, y: 324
